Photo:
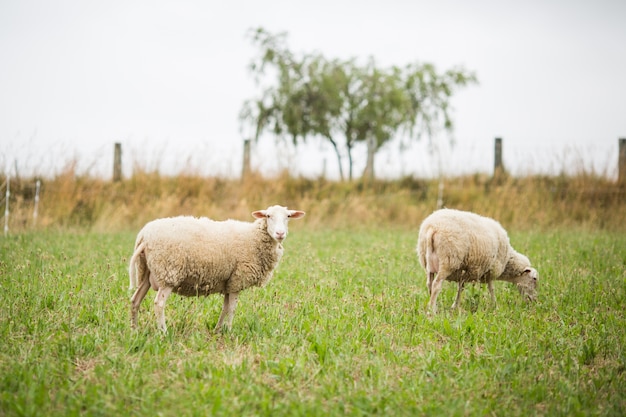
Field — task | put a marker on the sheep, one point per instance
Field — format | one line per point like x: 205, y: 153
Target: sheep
x: 198, y: 256
x: 461, y: 246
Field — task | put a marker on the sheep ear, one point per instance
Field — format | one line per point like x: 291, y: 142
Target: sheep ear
x: 259, y: 214
x: 296, y: 214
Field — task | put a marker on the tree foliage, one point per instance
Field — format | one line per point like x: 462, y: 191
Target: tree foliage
x: 344, y: 102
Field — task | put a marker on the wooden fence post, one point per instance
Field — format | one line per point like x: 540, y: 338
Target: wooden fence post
x: 6, y: 210
x: 36, y: 209
x: 498, y: 167
x: 621, y: 162
x: 246, y: 159
x: 117, y: 163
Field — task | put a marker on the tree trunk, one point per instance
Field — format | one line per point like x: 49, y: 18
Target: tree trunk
x: 350, y: 163
x: 338, y: 157
x: 368, y: 172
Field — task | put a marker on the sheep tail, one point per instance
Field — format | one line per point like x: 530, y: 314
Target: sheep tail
x: 134, y: 266
x: 432, y: 262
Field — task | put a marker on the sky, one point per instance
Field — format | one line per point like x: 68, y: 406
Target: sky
x: 167, y: 80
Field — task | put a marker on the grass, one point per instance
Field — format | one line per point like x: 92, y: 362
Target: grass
x: 340, y: 330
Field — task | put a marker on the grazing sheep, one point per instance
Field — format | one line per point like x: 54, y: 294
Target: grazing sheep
x: 465, y: 247
x: 199, y: 256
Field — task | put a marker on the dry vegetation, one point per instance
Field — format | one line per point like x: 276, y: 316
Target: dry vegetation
x: 71, y: 200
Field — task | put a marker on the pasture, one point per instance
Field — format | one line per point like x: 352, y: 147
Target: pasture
x: 340, y: 330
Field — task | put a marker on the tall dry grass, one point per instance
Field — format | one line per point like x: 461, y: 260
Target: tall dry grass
x: 70, y: 200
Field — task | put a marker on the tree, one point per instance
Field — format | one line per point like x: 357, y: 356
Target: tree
x: 346, y: 103
x: 384, y: 111
x: 306, y: 99
x: 429, y: 94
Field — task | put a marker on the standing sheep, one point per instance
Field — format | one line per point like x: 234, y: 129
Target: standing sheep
x: 199, y: 256
x: 464, y: 247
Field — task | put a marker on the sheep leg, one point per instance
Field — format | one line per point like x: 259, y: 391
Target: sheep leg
x: 136, y: 300
x: 159, y: 306
x: 228, y: 311
x: 429, y: 281
x: 457, y: 300
x: 220, y: 322
x: 437, y: 284
x: 232, y: 304
x: 491, y: 292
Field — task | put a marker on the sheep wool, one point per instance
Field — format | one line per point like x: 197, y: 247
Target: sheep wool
x: 461, y: 246
x: 198, y: 256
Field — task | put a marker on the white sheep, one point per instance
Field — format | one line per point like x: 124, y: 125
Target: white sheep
x: 461, y: 246
x: 199, y: 256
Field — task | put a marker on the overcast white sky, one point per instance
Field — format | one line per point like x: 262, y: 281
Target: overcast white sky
x: 167, y: 80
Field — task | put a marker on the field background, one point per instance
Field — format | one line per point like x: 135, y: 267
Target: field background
x: 341, y: 329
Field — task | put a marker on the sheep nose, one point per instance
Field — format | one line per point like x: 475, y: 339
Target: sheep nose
x: 280, y: 235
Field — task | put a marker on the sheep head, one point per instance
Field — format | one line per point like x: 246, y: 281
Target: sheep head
x: 519, y: 272
x: 527, y: 282
x: 277, y: 218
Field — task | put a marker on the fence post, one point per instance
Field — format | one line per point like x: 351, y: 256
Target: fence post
x: 246, y: 159
x: 498, y: 168
x: 6, y: 210
x: 621, y: 162
x: 117, y: 163
x: 36, y: 209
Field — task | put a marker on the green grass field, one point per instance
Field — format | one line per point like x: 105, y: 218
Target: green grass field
x: 340, y: 330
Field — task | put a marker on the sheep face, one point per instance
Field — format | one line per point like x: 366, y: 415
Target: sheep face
x: 527, y: 282
x: 519, y: 272
x: 277, y: 218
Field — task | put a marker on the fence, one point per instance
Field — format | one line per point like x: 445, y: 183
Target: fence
x: 20, y: 197
x: 498, y: 167
x: 621, y: 164
x: 5, y: 189
x: 7, y: 194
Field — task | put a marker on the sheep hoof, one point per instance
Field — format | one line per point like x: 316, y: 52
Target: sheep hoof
x: 222, y: 329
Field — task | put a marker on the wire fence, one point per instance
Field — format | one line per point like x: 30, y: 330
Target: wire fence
x: 5, y: 191
x: 23, y: 195
x: 317, y: 159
